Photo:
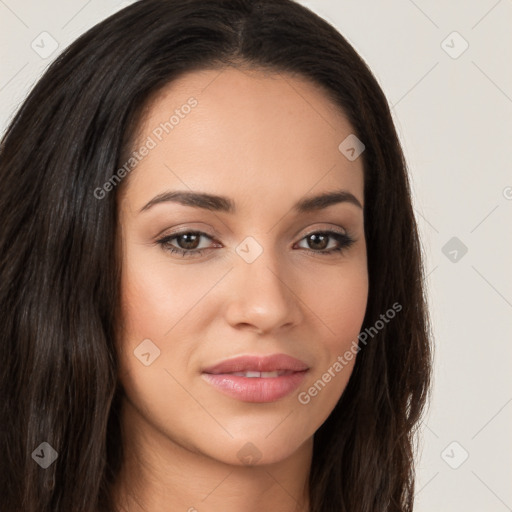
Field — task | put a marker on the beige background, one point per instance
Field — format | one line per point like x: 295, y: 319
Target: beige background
x: 453, y: 108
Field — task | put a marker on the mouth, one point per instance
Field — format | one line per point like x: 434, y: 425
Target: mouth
x: 257, y: 378
x: 261, y: 375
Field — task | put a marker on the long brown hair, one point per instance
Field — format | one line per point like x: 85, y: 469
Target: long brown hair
x: 60, y: 262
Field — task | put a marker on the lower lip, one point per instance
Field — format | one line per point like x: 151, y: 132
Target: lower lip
x: 255, y: 389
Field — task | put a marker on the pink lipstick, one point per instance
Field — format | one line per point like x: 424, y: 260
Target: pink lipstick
x: 257, y: 378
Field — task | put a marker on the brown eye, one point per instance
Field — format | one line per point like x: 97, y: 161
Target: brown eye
x: 318, y: 242
x: 189, y: 241
x: 186, y: 243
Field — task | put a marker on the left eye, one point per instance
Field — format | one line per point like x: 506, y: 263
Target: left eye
x: 190, y: 242
x: 321, y: 240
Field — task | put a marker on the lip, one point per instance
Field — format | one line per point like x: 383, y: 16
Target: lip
x: 256, y: 389
x: 268, y: 363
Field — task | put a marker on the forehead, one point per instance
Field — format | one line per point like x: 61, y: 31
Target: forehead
x: 229, y: 131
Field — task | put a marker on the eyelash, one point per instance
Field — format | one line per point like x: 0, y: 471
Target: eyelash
x: 343, y: 239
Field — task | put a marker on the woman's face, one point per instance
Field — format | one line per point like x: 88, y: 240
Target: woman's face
x: 268, y: 278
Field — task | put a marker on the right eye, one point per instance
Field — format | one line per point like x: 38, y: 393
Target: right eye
x: 190, y: 241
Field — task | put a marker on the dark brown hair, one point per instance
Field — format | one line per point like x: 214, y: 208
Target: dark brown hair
x: 60, y: 263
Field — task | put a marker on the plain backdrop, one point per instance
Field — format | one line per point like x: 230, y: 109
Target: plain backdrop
x: 445, y: 69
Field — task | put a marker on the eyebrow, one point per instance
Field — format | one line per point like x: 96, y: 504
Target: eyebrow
x: 225, y: 204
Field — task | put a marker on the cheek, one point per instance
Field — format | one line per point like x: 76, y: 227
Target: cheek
x: 154, y: 307
x: 149, y: 309
x: 339, y: 301
x: 160, y: 302
x: 346, y: 321
x: 154, y: 298
x: 345, y: 312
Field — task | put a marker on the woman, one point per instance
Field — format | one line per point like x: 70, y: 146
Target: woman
x: 211, y: 285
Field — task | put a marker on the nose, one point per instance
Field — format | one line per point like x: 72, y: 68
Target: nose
x: 263, y: 298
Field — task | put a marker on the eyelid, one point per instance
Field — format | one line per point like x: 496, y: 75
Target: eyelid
x: 188, y: 228
x: 337, y: 229
x: 176, y: 234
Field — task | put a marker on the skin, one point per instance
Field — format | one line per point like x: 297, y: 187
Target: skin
x: 265, y: 141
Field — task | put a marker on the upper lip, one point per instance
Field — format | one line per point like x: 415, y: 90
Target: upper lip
x: 266, y: 363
